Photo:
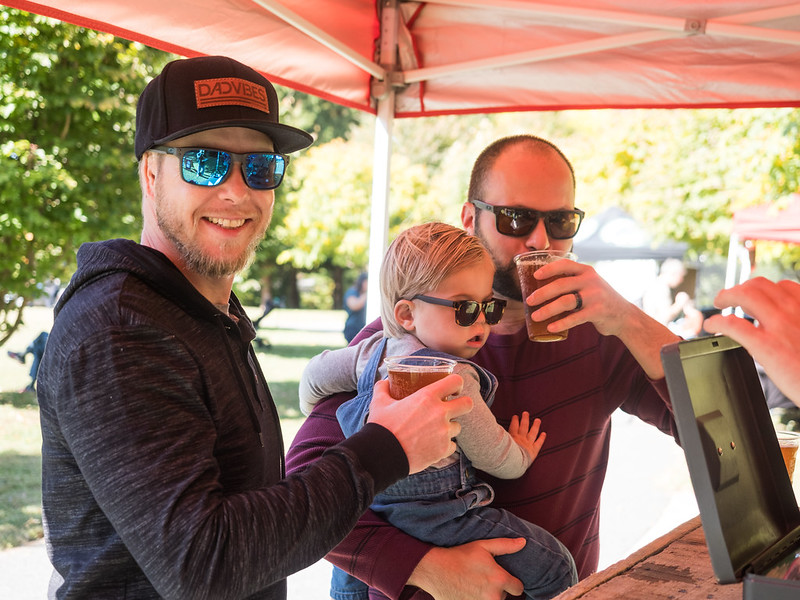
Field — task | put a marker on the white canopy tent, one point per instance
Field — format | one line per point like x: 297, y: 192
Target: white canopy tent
x: 613, y: 234
x: 394, y: 58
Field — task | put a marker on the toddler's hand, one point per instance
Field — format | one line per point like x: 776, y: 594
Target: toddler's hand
x: 526, y: 434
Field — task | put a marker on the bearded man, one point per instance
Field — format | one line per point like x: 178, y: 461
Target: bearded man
x: 162, y: 455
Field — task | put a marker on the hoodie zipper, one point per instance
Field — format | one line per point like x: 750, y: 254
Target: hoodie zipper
x: 249, y: 391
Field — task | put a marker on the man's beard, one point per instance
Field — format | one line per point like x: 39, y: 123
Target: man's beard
x: 506, y: 282
x: 208, y: 266
x: 192, y: 254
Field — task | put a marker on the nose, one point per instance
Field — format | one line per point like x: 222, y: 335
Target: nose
x: 235, y: 187
x: 538, y: 238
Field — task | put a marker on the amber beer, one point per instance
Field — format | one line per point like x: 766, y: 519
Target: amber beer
x: 789, y: 441
x: 407, y: 374
x: 527, y: 264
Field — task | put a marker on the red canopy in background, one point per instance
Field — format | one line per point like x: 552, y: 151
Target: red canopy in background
x: 774, y: 222
x: 769, y: 222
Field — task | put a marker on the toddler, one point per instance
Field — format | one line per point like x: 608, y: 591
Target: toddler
x: 436, y: 299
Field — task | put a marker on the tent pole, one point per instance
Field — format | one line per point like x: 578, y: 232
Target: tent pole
x: 736, y: 253
x: 384, y: 92
x: 379, y: 218
x: 733, y: 261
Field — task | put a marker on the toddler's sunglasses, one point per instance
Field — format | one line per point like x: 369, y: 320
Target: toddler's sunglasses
x: 467, y: 311
x: 517, y: 222
x: 209, y: 167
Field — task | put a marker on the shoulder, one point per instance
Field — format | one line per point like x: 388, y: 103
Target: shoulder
x: 466, y: 369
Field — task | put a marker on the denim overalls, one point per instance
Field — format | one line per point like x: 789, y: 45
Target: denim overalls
x: 448, y: 506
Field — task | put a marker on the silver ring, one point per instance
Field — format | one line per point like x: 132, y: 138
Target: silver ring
x: 578, y: 301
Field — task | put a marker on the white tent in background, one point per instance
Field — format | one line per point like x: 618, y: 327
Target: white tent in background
x: 622, y: 251
x: 613, y: 234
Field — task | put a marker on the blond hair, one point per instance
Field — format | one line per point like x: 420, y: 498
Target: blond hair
x: 418, y: 260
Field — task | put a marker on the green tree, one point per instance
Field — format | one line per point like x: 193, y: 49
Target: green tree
x: 328, y: 222
x: 682, y: 173
x: 326, y: 122
x: 785, y: 176
x: 28, y: 246
x: 68, y: 172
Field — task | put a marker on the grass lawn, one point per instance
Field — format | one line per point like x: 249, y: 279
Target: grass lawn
x: 295, y: 336
x: 20, y: 469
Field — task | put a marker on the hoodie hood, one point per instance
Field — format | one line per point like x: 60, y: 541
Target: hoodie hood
x: 99, y: 259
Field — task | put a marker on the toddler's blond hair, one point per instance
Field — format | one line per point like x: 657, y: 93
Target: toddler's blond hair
x: 418, y: 260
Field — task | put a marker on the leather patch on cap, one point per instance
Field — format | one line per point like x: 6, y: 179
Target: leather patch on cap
x: 227, y: 91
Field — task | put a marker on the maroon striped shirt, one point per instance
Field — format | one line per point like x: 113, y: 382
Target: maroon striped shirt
x: 573, y: 386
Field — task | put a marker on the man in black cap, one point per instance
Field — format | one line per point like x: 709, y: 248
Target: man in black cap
x: 162, y: 458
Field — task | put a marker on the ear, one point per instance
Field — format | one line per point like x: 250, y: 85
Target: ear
x: 468, y: 217
x: 149, y: 170
x: 404, y: 314
x: 149, y: 167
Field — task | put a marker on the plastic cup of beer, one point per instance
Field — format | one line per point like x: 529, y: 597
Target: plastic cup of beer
x: 789, y: 442
x: 407, y: 374
x: 527, y: 264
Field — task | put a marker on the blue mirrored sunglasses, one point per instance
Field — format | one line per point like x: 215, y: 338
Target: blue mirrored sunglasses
x: 209, y: 167
x: 467, y: 311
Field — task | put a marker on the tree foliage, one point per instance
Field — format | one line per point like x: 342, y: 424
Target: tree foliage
x: 322, y: 119
x: 327, y: 122
x: 683, y: 173
x: 68, y: 172
x: 327, y: 222
x: 680, y: 173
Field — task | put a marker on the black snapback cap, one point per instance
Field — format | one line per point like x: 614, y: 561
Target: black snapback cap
x: 207, y: 92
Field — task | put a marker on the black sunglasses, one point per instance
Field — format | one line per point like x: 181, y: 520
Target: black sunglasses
x: 467, y: 311
x: 517, y: 222
x: 209, y: 167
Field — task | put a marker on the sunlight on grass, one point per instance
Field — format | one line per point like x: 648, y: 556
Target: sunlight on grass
x: 295, y: 336
x: 20, y: 472
x: 283, y: 362
x: 19, y: 429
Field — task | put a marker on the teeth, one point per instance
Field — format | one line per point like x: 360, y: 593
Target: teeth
x: 227, y: 223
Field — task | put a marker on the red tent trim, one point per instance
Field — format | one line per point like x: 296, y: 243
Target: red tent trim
x: 769, y: 222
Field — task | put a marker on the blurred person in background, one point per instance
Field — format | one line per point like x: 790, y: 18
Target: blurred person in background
x: 35, y: 349
x: 678, y: 313
x: 355, y: 305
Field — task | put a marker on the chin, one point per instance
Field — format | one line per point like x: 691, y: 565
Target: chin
x: 469, y: 352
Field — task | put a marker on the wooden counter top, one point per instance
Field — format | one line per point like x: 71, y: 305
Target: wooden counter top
x: 676, y: 565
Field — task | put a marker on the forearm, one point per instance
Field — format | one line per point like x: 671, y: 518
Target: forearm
x: 486, y: 443
x: 644, y: 337
x: 649, y: 401
x: 355, y: 303
x: 380, y: 555
x: 146, y: 447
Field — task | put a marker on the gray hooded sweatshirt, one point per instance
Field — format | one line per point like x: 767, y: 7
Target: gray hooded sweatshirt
x: 162, y: 459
